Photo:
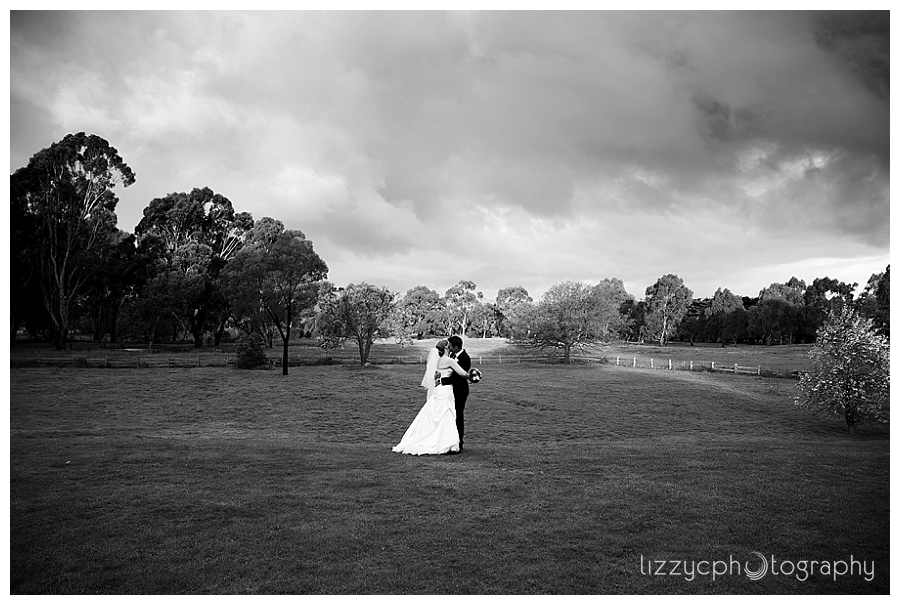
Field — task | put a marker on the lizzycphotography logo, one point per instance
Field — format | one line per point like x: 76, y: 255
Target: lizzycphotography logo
x: 761, y: 572
x: 757, y: 567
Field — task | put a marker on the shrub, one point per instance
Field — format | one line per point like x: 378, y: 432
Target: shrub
x: 851, y: 371
x: 251, y: 352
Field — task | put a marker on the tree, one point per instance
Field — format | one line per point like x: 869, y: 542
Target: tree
x: 65, y: 193
x: 782, y: 320
x: 513, y: 306
x: 851, y: 371
x: 634, y: 313
x: 609, y: 295
x: 727, y: 317
x: 822, y: 296
x: 25, y: 300
x: 282, y: 269
x: 883, y: 296
x: 771, y: 319
x: 461, y: 300
x: 792, y: 291
x: 484, y: 317
x: 667, y: 302
x: 875, y: 301
x: 696, y: 321
x: 353, y: 313
x: 417, y: 313
x: 197, y: 233
x: 567, y: 317
x: 117, y: 271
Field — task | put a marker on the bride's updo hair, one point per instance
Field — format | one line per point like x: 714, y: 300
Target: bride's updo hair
x: 441, y: 346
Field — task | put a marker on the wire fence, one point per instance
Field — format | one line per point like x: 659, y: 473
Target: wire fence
x: 316, y: 358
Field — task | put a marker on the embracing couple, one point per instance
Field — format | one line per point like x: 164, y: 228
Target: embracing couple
x: 440, y: 424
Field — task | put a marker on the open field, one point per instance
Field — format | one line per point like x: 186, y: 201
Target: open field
x: 783, y: 360
x: 213, y: 480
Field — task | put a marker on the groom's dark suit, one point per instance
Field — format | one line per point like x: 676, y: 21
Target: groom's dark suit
x: 461, y: 391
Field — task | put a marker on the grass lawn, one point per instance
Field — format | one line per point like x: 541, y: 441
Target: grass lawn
x: 214, y: 480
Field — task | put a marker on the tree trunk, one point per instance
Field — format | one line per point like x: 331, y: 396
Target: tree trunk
x: 851, y: 419
x: 220, y: 330
x: 113, y: 320
x: 287, y: 340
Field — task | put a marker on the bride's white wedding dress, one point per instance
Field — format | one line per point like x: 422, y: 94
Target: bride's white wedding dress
x: 434, y: 429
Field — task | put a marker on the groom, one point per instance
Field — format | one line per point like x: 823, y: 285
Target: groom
x: 460, y: 383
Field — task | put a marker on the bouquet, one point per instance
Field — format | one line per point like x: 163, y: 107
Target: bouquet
x: 474, y: 375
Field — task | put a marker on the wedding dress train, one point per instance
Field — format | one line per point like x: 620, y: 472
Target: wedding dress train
x: 434, y: 429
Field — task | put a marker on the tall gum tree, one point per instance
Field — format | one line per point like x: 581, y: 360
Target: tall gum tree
x: 66, y: 192
x: 197, y: 233
x: 667, y: 302
x: 280, y: 267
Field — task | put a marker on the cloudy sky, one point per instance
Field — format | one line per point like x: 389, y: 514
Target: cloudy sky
x: 734, y: 149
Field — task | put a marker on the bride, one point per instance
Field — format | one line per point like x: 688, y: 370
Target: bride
x: 434, y: 429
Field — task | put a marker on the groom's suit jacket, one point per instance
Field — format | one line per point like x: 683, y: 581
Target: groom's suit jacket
x: 461, y: 383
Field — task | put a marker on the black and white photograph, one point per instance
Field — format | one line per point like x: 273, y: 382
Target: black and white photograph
x: 436, y: 300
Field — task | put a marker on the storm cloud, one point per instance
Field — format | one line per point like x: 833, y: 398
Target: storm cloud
x: 734, y: 149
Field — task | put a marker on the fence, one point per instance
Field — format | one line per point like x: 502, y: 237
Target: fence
x: 691, y: 366
x: 157, y: 360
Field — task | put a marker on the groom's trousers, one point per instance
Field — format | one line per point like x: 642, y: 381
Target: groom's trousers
x: 460, y: 394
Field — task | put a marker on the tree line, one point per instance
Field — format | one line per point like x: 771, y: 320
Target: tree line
x: 195, y: 269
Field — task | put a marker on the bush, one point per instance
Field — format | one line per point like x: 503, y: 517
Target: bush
x: 851, y: 371
x: 251, y: 352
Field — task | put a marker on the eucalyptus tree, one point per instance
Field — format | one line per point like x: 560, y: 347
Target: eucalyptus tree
x: 355, y: 313
x: 875, y: 301
x: 279, y: 267
x: 727, y: 316
x: 610, y: 294
x: 117, y: 272
x: 822, y: 297
x: 696, y: 323
x: 461, y: 300
x: 416, y: 314
x: 66, y: 205
x: 513, y: 306
x: 197, y: 233
x: 667, y: 302
x: 485, y: 318
x: 772, y: 319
